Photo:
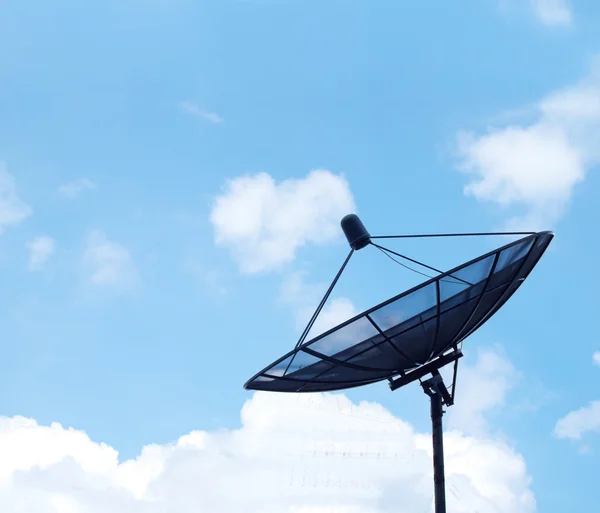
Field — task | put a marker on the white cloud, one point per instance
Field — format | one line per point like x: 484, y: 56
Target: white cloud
x: 596, y: 358
x: 108, y: 263
x: 74, y: 189
x: 40, y: 250
x: 194, y: 110
x: 263, y: 222
x: 535, y: 167
x: 12, y: 209
x: 553, y: 12
x: 293, y: 454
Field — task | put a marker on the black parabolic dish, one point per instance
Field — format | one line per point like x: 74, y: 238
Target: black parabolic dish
x: 408, y: 330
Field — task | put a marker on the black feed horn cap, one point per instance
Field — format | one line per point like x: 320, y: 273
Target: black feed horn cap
x: 356, y: 233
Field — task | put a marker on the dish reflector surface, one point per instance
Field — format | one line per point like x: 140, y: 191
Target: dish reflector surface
x: 408, y: 330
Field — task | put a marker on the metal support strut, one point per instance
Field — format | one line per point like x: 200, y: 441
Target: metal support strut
x: 438, y: 396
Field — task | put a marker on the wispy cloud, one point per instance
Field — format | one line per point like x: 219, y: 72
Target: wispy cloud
x: 596, y: 358
x: 108, y: 263
x: 74, y: 189
x: 211, y: 278
x: 194, y: 110
x: 303, y: 297
x: 553, y: 13
x: 40, y: 250
x: 13, y: 210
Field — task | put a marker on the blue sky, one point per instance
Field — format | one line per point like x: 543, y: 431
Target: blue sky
x: 163, y: 231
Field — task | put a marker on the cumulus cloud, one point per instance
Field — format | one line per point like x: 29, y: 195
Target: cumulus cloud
x: 12, y: 209
x: 534, y: 168
x: 317, y: 453
x: 553, y: 12
x: 194, y: 110
x: 577, y: 423
x: 263, y: 222
x: 75, y: 188
x: 40, y: 250
x: 108, y: 263
x: 304, y: 298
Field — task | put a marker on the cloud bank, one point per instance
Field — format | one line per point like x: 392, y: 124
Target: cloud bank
x: 316, y: 453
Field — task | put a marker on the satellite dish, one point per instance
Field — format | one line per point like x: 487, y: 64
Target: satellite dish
x: 410, y: 335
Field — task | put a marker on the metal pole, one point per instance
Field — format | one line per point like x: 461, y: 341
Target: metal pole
x: 438, y: 452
